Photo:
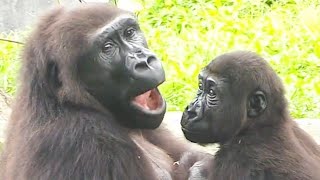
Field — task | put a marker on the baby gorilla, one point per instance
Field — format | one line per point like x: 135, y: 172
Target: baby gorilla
x: 241, y: 105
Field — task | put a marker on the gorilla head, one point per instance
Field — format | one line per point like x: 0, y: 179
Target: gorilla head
x: 237, y: 91
x: 123, y: 74
x: 102, y: 56
x: 88, y: 91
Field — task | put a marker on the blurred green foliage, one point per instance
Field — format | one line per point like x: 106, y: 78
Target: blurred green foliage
x: 9, y: 61
x: 186, y: 35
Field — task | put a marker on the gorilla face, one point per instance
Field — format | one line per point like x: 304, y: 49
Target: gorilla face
x: 224, y: 104
x: 123, y: 74
x: 203, y: 119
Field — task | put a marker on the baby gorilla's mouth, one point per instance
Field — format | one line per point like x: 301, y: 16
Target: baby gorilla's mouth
x: 149, y: 101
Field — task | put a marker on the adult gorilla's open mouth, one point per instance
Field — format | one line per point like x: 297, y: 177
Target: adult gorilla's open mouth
x: 147, y: 109
x: 150, y: 102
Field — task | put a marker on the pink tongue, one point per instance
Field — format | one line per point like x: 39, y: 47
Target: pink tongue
x: 142, y: 99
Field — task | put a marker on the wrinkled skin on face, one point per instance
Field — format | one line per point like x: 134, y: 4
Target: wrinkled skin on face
x: 123, y: 74
x: 206, y: 111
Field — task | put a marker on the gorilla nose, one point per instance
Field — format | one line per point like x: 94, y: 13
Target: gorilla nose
x: 145, y: 63
x: 139, y: 54
x: 145, y: 67
x: 191, y: 114
x: 194, y: 110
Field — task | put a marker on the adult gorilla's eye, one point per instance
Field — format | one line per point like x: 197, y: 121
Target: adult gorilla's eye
x: 107, y: 47
x: 130, y: 32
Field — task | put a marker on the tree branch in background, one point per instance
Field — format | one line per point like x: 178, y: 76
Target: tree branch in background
x: 12, y: 41
x: 115, y: 2
x: 6, y: 98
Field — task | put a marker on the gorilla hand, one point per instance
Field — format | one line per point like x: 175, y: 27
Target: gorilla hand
x: 193, y: 166
x: 200, y: 170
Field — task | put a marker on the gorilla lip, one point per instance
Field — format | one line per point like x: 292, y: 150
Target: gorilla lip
x: 149, y: 101
x: 196, y: 136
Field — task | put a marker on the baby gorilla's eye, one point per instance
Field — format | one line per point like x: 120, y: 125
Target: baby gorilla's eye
x: 200, y: 86
x: 130, y: 32
x: 212, y: 93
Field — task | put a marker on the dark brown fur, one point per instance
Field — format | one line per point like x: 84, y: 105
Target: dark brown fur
x: 249, y: 118
x: 58, y: 130
x: 271, y: 146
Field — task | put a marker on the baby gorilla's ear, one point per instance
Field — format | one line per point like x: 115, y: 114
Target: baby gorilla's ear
x: 257, y: 103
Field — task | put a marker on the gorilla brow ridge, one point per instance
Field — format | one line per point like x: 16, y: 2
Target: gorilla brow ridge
x: 117, y: 22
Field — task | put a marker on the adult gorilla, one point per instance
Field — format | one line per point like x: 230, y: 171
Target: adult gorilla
x: 89, y: 85
x: 240, y: 104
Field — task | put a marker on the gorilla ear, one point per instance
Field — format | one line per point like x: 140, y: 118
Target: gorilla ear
x: 257, y: 104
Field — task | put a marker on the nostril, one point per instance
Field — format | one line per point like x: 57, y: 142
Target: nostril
x: 192, y: 114
x: 151, y: 60
x: 141, y: 66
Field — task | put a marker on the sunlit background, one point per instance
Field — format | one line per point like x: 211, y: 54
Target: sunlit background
x: 186, y: 35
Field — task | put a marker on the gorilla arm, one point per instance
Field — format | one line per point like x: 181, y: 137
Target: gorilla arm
x: 237, y: 168
x: 193, y: 166
x: 162, y: 137
x: 209, y: 168
x: 185, y: 154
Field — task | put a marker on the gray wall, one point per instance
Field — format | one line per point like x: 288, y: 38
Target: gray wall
x: 17, y: 14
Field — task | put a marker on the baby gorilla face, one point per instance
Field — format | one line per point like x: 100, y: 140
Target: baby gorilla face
x: 224, y: 102
x: 202, y: 121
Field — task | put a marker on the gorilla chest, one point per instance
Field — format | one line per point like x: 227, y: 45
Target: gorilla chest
x: 161, y: 162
